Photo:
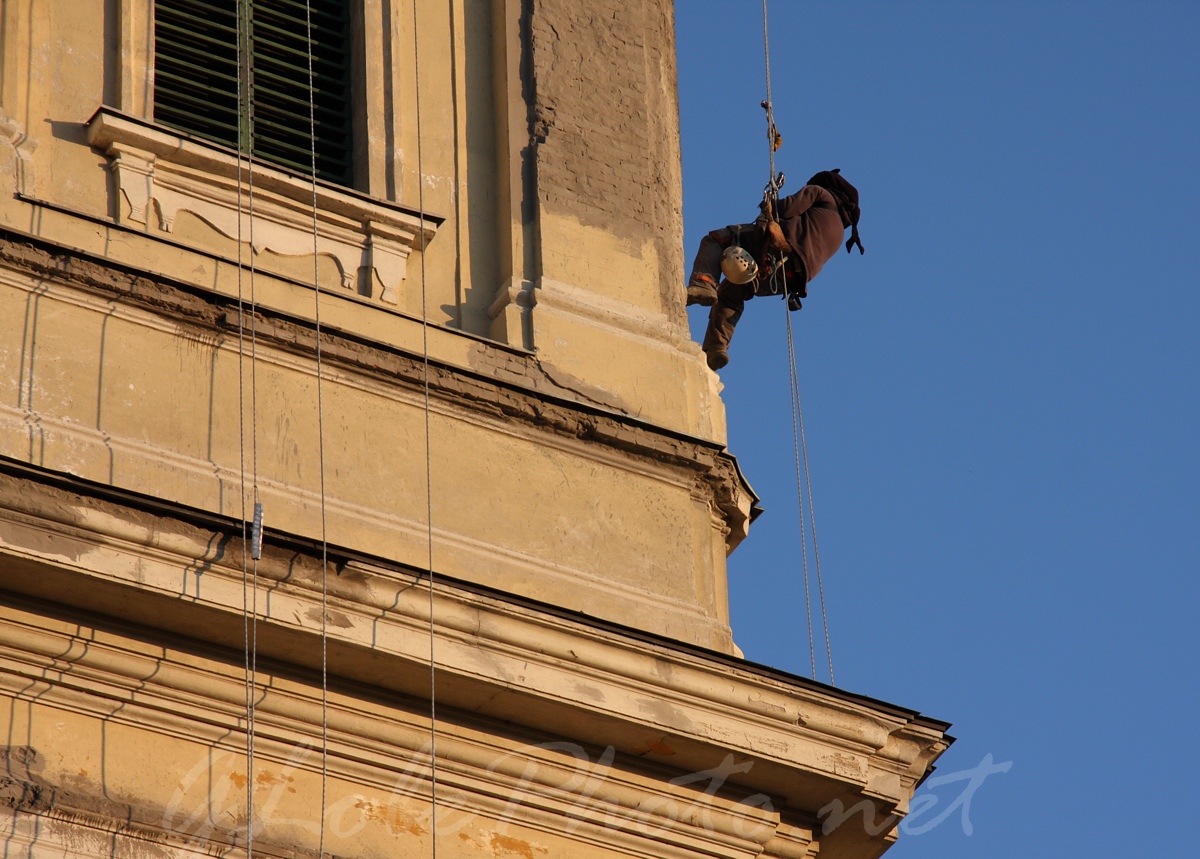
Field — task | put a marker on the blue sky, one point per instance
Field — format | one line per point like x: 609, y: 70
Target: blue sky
x: 1001, y: 398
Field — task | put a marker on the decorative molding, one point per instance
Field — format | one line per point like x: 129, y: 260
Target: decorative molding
x: 544, y: 784
x: 695, y: 707
x: 23, y: 145
x: 687, y: 466
x: 271, y: 209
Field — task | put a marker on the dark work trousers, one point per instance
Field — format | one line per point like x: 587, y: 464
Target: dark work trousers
x: 731, y: 298
x: 707, y: 265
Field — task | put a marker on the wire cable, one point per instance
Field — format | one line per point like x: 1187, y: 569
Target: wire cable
x: 773, y: 137
x: 794, y: 385
x: 433, y: 783
x: 812, y: 519
x: 312, y: 137
x: 802, y: 468
x: 245, y: 66
x: 803, y: 475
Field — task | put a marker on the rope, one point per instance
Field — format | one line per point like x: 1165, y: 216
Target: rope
x: 795, y: 391
x: 813, y: 523
x: 772, y: 133
x: 801, y: 454
x: 428, y: 454
x: 249, y: 574
x: 800, y: 447
x: 312, y: 137
x: 774, y: 140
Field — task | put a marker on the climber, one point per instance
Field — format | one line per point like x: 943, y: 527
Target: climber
x: 798, y: 237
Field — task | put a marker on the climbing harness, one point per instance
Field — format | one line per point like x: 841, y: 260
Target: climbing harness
x: 777, y: 280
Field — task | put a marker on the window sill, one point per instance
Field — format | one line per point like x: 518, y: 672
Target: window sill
x: 157, y: 170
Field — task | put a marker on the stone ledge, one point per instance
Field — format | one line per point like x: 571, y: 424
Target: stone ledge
x: 499, y: 382
x: 496, y: 658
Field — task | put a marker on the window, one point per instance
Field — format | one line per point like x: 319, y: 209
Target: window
x: 196, y: 79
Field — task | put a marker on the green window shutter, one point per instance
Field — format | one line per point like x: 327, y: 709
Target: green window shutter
x: 281, y: 85
x: 196, y: 79
x: 195, y: 68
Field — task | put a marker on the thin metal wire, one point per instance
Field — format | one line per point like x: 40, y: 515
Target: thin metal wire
x: 801, y: 452
x: 770, y: 105
x: 249, y: 579
x: 312, y: 131
x: 433, y: 784
x: 253, y: 373
x: 803, y: 476
x: 812, y: 519
x: 795, y: 391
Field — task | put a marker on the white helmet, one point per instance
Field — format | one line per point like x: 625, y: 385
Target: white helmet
x: 738, y: 266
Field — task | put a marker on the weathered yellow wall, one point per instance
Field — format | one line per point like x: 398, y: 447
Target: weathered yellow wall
x: 491, y: 462
x: 164, y: 404
x: 151, y: 394
x: 571, y: 200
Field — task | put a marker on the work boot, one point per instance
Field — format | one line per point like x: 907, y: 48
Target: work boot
x: 702, y: 291
x: 717, y: 360
x: 794, y: 301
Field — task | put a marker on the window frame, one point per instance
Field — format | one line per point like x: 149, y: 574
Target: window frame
x: 158, y: 172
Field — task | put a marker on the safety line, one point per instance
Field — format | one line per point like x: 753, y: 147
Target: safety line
x: 795, y: 391
x: 801, y: 452
x: 772, y: 134
x: 816, y: 552
x: 245, y: 61
x: 312, y: 132
x: 803, y: 475
x: 256, y: 530
x: 433, y: 783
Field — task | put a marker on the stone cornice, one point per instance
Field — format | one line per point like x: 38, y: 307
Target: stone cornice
x: 556, y: 675
x: 378, y: 746
x: 501, y: 382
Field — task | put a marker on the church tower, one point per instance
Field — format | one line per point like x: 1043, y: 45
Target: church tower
x: 362, y: 492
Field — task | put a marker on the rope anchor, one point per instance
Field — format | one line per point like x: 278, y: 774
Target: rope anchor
x: 773, y: 134
x: 771, y: 192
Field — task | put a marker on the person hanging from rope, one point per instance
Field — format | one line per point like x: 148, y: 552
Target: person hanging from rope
x: 783, y: 249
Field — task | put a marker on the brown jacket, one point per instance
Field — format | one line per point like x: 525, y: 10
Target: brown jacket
x: 813, y: 227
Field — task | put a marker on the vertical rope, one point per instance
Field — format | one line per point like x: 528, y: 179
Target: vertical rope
x: 254, y: 489
x: 804, y: 473
x: 249, y: 578
x: 812, y: 519
x: 794, y: 384
x: 803, y: 476
x: 312, y: 131
x: 433, y: 784
x: 769, y: 105
x: 779, y: 286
